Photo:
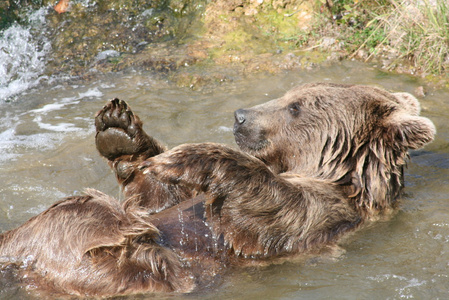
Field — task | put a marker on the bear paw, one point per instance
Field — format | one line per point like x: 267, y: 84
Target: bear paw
x: 119, y: 131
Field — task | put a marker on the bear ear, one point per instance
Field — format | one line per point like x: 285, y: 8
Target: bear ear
x: 409, y: 131
x: 408, y: 102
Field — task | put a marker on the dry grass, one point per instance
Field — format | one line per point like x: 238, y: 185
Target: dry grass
x: 418, y: 30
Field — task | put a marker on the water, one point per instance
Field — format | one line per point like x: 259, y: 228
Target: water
x: 23, y: 55
x: 47, y: 152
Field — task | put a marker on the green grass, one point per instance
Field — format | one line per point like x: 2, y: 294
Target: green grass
x: 419, y: 33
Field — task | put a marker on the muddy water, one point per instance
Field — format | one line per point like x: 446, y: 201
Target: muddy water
x: 47, y: 152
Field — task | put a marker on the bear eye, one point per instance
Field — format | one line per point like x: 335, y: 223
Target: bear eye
x: 294, y: 109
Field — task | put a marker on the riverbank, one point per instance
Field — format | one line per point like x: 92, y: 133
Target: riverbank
x: 181, y: 39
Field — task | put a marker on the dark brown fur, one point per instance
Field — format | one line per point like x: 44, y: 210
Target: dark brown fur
x: 313, y: 165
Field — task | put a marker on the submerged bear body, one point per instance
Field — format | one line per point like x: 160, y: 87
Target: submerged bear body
x: 312, y: 165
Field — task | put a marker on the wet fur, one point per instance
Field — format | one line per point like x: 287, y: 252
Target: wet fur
x: 93, y: 245
x: 313, y: 165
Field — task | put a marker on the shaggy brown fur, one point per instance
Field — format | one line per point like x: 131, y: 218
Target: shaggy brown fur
x: 313, y: 165
x: 259, y: 213
x: 93, y: 245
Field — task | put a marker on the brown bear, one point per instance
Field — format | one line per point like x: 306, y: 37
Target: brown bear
x: 312, y: 165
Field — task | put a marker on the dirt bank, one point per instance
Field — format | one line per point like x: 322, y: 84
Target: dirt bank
x: 182, y: 38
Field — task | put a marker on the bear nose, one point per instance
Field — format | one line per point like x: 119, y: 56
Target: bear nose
x: 240, y: 116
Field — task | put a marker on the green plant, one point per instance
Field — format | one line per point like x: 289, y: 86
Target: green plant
x: 428, y: 40
x: 419, y: 32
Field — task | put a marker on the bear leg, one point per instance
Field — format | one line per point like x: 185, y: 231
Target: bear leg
x: 121, y: 139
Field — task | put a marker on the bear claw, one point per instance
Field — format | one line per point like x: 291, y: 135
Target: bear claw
x: 116, y: 113
x: 119, y: 131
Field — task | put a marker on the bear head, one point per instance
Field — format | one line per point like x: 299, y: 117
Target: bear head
x: 355, y: 136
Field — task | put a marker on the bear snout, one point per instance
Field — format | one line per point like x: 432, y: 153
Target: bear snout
x: 240, y: 116
x: 247, y: 132
x: 240, y: 127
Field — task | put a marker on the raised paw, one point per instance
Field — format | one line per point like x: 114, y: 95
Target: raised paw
x: 119, y: 131
x: 116, y: 113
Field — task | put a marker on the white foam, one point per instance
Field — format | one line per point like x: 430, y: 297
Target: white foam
x: 53, y: 126
x: 48, y: 108
x: 59, y: 127
x: 22, y: 56
x: 5, y: 145
x: 10, y: 141
x: 59, y: 105
x: 91, y: 93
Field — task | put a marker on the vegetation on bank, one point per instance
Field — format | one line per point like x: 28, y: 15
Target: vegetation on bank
x: 408, y: 36
x: 270, y: 35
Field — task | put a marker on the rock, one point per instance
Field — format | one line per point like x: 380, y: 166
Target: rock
x: 420, y: 91
x: 107, y: 54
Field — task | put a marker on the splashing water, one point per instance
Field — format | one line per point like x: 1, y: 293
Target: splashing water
x: 22, y: 55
